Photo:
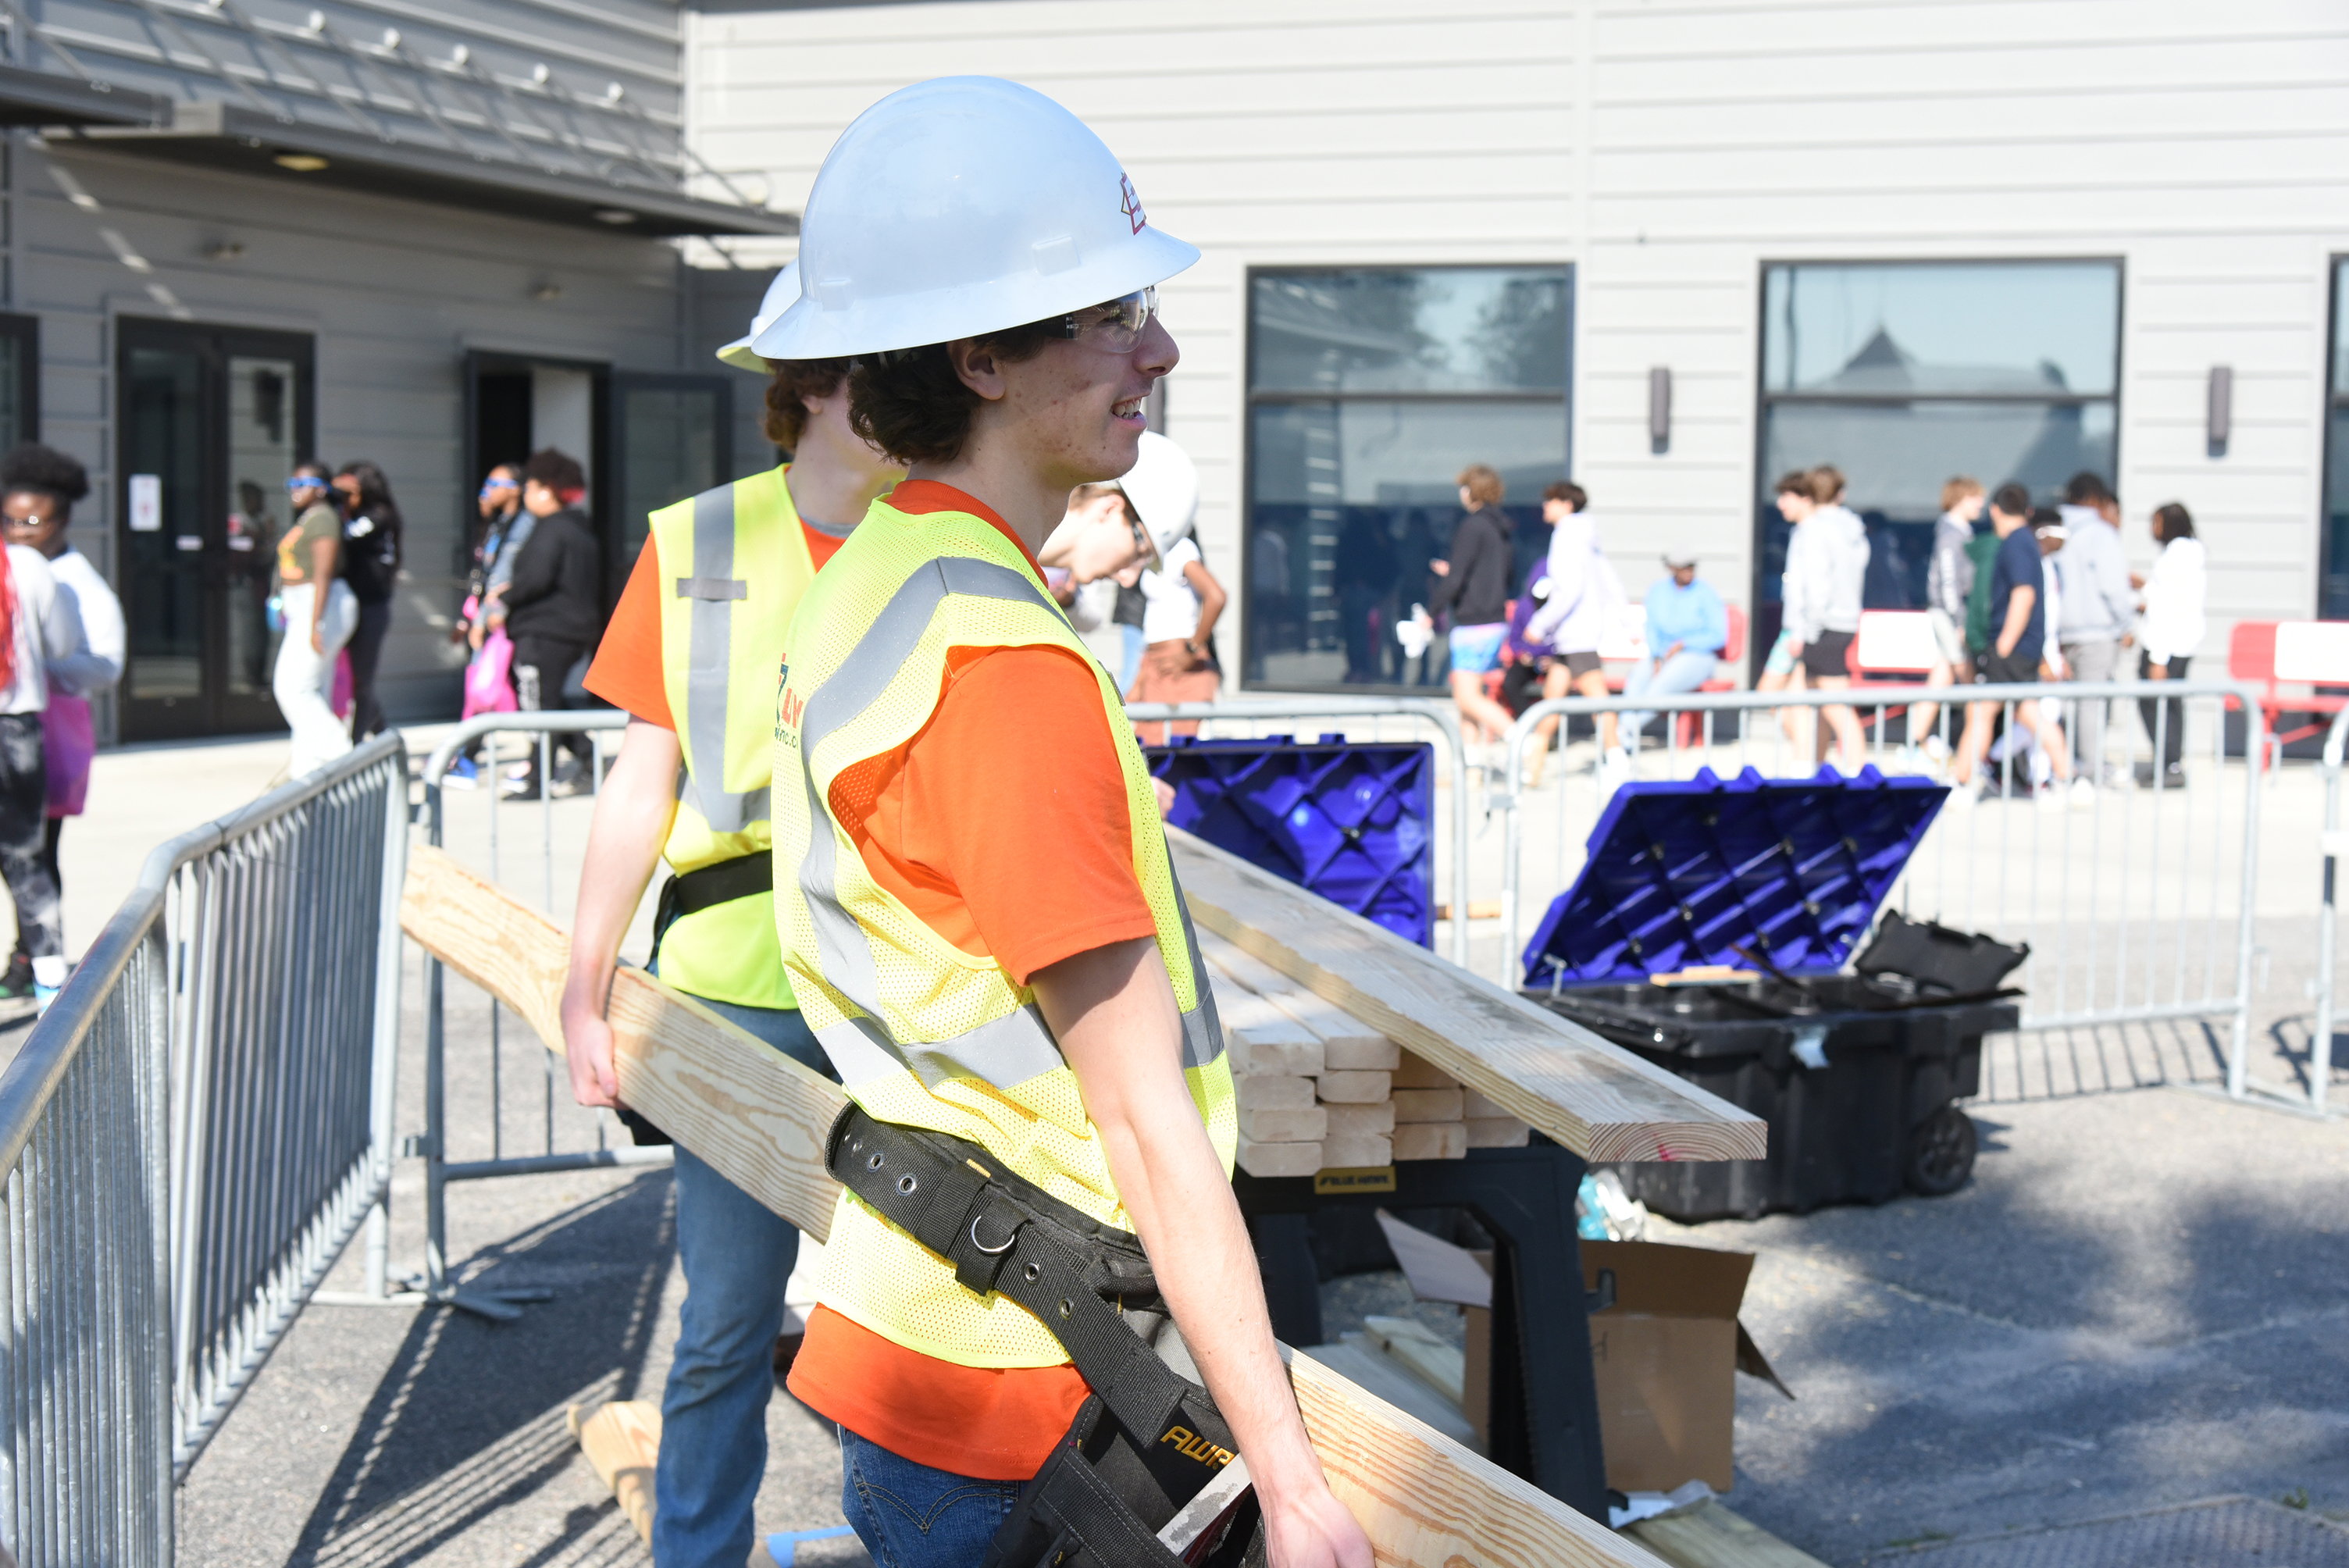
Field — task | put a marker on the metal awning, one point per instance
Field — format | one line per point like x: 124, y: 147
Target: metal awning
x: 46, y: 98
x: 231, y: 137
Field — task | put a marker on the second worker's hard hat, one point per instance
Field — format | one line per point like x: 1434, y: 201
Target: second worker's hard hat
x: 780, y: 295
x: 1164, y: 488
x: 961, y: 206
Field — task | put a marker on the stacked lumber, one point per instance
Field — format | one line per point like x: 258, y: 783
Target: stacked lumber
x: 1321, y: 1090
x: 1510, y: 1059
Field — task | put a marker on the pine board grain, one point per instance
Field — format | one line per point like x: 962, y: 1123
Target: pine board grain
x: 1600, y: 1101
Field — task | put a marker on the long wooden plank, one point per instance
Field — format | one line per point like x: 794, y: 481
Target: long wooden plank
x: 750, y: 1111
x: 760, y: 1119
x: 1602, y: 1102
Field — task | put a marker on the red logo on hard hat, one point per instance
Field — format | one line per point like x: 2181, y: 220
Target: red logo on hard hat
x: 1133, y: 207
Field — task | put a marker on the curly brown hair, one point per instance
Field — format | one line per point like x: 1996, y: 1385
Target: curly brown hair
x: 793, y: 379
x: 914, y: 408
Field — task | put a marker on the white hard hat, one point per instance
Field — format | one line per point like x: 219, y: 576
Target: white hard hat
x: 1163, y: 486
x: 963, y: 206
x: 781, y: 294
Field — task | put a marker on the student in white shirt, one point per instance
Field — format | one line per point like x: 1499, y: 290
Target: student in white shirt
x: 2171, y: 633
x: 38, y: 486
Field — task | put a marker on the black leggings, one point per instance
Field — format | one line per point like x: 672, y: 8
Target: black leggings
x: 2172, y: 738
x: 25, y: 863
x: 366, y: 648
x: 541, y: 666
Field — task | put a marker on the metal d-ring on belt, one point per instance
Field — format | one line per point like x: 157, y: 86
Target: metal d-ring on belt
x: 1004, y: 1234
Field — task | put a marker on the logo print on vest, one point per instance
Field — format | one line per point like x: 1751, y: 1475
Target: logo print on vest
x: 789, y: 704
x: 1132, y: 206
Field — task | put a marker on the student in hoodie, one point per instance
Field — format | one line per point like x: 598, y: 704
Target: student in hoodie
x: 1826, y: 568
x: 1586, y: 597
x: 2098, y: 604
x: 1474, y: 584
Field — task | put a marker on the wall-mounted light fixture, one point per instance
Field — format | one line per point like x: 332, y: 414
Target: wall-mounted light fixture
x: 1659, y: 407
x: 2219, y: 413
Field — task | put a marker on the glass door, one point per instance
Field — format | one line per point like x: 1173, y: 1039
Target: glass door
x: 211, y: 423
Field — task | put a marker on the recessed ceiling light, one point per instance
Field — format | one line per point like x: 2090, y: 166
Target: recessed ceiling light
x: 547, y: 293
x: 300, y: 162
x: 614, y: 215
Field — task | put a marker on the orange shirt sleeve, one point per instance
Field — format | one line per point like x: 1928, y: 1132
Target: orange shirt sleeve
x: 1003, y: 823
x: 628, y: 668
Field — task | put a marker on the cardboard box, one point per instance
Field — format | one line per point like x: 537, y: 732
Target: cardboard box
x: 1666, y: 1356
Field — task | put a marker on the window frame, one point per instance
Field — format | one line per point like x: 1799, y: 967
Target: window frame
x: 1757, y: 647
x: 1251, y: 399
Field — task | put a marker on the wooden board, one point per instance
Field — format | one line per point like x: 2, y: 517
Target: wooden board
x: 1438, y: 1363
x: 1425, y: 1500
x: 1600, y: 1101
x: 1710, y: 1536
x: 750, y: 1111
x: 622, y: 1442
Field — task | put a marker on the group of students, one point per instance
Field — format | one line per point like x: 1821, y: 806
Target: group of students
x: 914, y: 844
x: 1546, y: 641
x: 2047, y: 595
x: 331, y: 599
x: 534, y: 610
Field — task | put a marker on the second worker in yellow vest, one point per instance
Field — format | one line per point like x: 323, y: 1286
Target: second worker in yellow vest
x: 692, y: 654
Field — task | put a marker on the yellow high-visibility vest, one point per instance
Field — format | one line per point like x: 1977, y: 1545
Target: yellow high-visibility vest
x: 734, y: 564
x: 922, y: 1032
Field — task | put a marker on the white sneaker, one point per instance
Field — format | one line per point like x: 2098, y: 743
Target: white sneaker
x: 1937, y: 748
x: 2082, y: 794
x: 1614, y: 771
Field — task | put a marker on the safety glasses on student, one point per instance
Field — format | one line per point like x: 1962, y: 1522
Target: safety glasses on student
x: 1115, y: 324
x: 490, y: 487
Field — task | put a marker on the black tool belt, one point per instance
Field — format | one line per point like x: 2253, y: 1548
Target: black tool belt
x: 705, y: 887
x: 1148, y: 1439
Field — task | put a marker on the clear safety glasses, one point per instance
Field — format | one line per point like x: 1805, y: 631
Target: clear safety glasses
x: 1115, y: 324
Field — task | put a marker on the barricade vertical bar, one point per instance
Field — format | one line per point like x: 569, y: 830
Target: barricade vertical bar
x: 2240, y: 1039
x: 384, y: 1076
x: 2320, y: 1044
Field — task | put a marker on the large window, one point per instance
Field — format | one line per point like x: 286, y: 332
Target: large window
x: 1906, y: 374
x: 2332, y: 592
x: 1368, y: 390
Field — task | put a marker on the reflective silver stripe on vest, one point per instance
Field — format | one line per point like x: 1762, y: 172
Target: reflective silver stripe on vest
x: 714, y: 590
x: 1004, y: 1051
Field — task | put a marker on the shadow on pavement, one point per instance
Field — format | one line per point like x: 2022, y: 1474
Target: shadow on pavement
x: 469, y: 1418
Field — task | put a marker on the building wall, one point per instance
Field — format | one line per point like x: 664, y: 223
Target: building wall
x: 395, y: 292
x: 1669, y: 148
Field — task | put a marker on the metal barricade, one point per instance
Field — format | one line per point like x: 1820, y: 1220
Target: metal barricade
x: 559, y: 1122
x: 2125, y: 901
x: 1435, y: 713
x: 190, y: 1136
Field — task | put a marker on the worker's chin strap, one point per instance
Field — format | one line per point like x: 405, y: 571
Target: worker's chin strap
x: 1110, y: 1484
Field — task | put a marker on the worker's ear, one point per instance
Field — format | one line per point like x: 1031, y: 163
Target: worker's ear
x: 977, y: 366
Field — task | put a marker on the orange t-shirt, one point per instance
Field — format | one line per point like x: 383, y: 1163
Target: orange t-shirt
x: 1003, y: 824
x: 628, y: 668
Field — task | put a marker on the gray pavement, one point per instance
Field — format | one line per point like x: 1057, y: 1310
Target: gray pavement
x: 2135, y: 1303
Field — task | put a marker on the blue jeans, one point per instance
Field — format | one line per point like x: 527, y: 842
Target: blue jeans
x: 1684, y: 672
x: 910, y: 1516
x: 738, y: 1256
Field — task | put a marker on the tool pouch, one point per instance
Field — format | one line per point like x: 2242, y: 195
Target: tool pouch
x: 1148, y: 1439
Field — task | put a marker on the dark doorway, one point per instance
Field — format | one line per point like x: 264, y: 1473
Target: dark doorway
x: 210, y: 422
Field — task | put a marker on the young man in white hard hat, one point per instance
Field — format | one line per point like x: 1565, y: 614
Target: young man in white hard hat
x: 976, y: 902
x: 690, y: 655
